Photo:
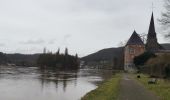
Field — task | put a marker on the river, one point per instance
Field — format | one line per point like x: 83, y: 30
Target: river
x: 32, y: 83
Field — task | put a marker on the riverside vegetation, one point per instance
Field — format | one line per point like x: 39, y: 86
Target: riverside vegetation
x: 59, y: 61
x: 157, y: 66
x: 161, y: 88
x: 109, y: 90
x: 154, y: 65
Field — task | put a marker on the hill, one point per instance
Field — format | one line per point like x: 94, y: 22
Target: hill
x: 112, y: 57
x: 105, y: 54
x: 111, y: 54
x: 166, y: 46
x: 22, y: 59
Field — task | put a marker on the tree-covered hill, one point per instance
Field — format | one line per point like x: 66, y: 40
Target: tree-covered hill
x: 105, y: 54
x: 110, y: 53
x: 22, y: 59
x: 166, y: 46
x: 115, y: 55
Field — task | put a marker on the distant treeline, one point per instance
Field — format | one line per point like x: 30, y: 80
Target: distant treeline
x: 18, y: 59
x: 57, y: 60
x: 27, y: 60
x: 3, y: 58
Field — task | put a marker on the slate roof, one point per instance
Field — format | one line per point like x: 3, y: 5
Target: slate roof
x: 152, y: 32
x: 135, y: 39
x: 152, y: 36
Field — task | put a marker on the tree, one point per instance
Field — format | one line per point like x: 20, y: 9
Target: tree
x: 58, y: 52
x: 3, y: 58
x: 143, y: 58
x: 60, y: 61
x: 160, y: 65
x: 165, y: 19
x: 122, y: 43
x: 66, y: 51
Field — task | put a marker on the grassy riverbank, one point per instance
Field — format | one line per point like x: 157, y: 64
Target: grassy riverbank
x: 107, y: 91
x: 161, y: 89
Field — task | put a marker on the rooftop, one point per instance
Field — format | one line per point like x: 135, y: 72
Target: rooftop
x: 135, y: 39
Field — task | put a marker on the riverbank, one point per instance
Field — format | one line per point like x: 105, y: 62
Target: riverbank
x: 161, y: 89
x: 109, y: 90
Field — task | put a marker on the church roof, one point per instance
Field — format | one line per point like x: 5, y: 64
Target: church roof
x: 152, y: 32
x: 135, y: 39
x: 152, y: 43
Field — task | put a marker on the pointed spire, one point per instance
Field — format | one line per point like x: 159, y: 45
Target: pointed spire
x: 134, y: 31
x: 152, y: 43
x: 152, y: 32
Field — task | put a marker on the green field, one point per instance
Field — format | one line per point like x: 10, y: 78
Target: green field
x: 161, y: 89
x: 107, y: 91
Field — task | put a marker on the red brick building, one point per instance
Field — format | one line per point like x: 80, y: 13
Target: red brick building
x: 135, y: 46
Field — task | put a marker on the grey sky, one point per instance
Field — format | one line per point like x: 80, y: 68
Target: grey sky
x: 84, y: 26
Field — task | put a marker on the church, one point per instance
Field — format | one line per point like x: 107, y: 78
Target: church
x: 136, y: 46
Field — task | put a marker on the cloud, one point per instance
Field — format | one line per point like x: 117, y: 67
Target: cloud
x: 31, y: 50
x: 2, y: 44
x: 65, y: 39
x: 67, y: 36
x: 52, y: 41
x: 81, y: 25
x: 38, y: 41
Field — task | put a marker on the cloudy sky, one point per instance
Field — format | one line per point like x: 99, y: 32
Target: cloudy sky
x: 84, y: 26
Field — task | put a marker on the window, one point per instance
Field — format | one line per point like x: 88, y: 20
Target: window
x: 131, y: 50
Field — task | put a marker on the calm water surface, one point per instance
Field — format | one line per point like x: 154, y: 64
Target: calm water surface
x: 20, y: 83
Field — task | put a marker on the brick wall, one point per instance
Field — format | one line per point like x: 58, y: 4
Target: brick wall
x: 132, y: 51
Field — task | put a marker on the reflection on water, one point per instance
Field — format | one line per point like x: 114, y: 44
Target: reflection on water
x: 21, y: 83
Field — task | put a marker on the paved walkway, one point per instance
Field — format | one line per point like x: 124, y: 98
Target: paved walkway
x: 132, y: 90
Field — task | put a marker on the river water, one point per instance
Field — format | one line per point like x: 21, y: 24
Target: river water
x: 32, y: 83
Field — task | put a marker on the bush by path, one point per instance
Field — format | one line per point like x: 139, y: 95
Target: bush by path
x: 161, y: 88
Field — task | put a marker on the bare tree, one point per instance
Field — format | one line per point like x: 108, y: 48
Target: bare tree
x: 143, y: 36
x: 122, y: 43
x: 165, y: 19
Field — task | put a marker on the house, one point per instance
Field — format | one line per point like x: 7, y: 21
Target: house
x: 135, y: 46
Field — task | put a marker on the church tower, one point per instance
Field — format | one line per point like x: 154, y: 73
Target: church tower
x: 133, y: 48
x: 152, y: 44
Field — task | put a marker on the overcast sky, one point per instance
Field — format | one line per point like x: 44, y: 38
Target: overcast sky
x: 84, y: 26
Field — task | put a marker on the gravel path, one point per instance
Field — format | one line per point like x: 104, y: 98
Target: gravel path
x: 132, y: 90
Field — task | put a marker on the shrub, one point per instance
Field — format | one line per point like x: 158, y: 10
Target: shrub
x: 160, y: 66
x: 143, y: 58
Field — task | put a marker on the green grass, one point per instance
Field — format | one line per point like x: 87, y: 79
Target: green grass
x: 107, y: 91
x: 161, y: 89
